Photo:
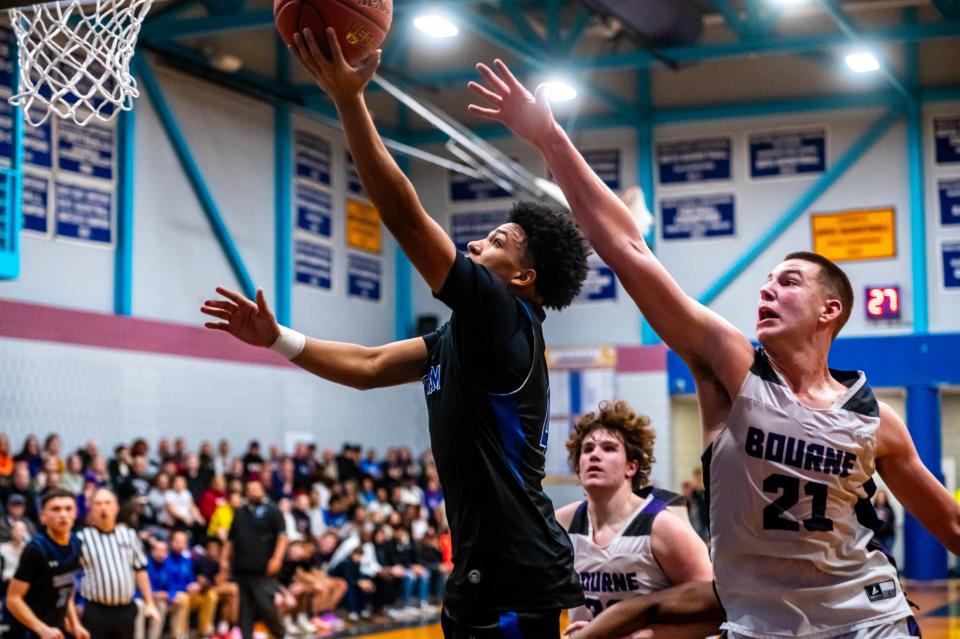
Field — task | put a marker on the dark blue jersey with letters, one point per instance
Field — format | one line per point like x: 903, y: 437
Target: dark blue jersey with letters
x: 487, y: 392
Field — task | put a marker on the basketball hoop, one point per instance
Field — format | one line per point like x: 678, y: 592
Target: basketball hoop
x: 75, y: 58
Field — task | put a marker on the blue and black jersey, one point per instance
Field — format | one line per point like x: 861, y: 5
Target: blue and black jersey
x: 51, y: 570
x: 487, y: 392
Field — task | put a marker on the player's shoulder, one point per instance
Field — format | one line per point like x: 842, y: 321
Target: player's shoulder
x: 567, y: 514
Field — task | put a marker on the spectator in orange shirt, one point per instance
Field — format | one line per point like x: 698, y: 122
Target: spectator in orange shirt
x: 6, y: 459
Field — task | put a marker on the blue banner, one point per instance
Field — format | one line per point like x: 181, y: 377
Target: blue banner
x: 470, y: 226
x: 354, y: 185
x: 600, y: 285
x: 690, y: 161
x: 7, y: 40
x: 313, y: 264
x: 37, y: 143
x: 85, y: 150
x: 36, y: 195
x: 84, y: 213
x: 363, y: 277
x: 606, y: 164
x: 949, y: 191
x: 950, y: 252
x: 464, y: 188
x: 313, y: 209
x: 788, y: 153
x: 946, y: 132
x: 311, y: 157
x: 698, y: 216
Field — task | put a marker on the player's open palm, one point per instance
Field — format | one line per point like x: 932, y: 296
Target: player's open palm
x: 528, y: 115
x: 333, y: 73
x: 249, y: 322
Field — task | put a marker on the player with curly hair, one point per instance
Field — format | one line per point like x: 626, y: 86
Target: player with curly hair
x: 625, y: 544
x: 484, y: 374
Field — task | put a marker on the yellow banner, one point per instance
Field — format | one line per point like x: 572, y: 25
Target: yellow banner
x: 363, y: 226
x: 855, y: 235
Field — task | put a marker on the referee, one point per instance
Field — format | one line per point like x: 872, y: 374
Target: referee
x: 114, y: 567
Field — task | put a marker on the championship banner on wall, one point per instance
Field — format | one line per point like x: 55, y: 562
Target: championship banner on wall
x: 364, y: 277
x: 698, y: 217
x: 855, y: 235
x: 314, y: 209
x: 363, y: 226
x: 311, y: 157
x: 691, y: 161
x: 469, y: 226
x: 313, y: 264
x: 788, y: 153
x: 946, y: 134
x: 36, y: 204
x: 600, y: 284
x: 948, y: 192
x: 464, y: 188
x: 950, y: 258
x: 84, y: 213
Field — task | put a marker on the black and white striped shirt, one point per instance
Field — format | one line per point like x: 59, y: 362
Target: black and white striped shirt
x: 110, y: 562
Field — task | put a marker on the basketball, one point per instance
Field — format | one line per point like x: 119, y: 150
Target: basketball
x: 361, y: 25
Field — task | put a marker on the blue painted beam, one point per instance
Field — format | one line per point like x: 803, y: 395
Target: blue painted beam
x: 534, y: 58
x: 554, y: 36
x: 772, y: 107
x: 123, y: 254
x: 645, y: 171
x: 839, y: 16
x: 496, y: 131
x: 10, y: 258
x: 248, y: 20
x: 893, y: 361
x: 949, y: 9
x: 192, y: 171
x: 923, y: 556
x: 510, y: 9
x: 918, y: 214
x: 732, y: 18
x: 580, y: 22
x: 282, y: 193
x: 861, y: 146
x: 760, y: 46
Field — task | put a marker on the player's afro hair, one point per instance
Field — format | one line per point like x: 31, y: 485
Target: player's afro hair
x: 558, y: 249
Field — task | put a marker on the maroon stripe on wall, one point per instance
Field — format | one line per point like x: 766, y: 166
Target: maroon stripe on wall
x: 642, y: 359
x: 21, y: 320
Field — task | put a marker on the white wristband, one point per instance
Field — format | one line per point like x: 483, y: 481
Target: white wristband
x: 290, y: 343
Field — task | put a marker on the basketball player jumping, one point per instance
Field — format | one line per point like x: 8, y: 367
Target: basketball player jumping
x: 789, y: 445
x: 624, y: 544
x: 484, y: 374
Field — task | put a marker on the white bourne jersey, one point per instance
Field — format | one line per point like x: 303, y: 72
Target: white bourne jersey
x: 622, y: 569
x: 791, y: 522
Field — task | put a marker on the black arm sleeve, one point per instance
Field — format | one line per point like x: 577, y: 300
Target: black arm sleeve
x: 493, y: 334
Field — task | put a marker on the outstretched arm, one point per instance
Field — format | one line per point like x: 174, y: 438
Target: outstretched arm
x: 422, y: 239
x: 707, y: 342
x: 352, y: 365
x: 913, y: 485
x: 692, y: 606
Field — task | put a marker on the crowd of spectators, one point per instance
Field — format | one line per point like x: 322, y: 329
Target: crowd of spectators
x: 368, y: 536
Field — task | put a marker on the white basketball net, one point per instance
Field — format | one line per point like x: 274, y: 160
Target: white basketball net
x: 75, y: 58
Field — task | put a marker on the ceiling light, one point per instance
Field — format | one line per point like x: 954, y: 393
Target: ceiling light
x: 862, y: 62
x: 436, y: 26
x: 560, y: 91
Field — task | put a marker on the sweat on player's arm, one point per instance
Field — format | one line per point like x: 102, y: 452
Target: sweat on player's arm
x: 912, y: 483
x: 423, y: 240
